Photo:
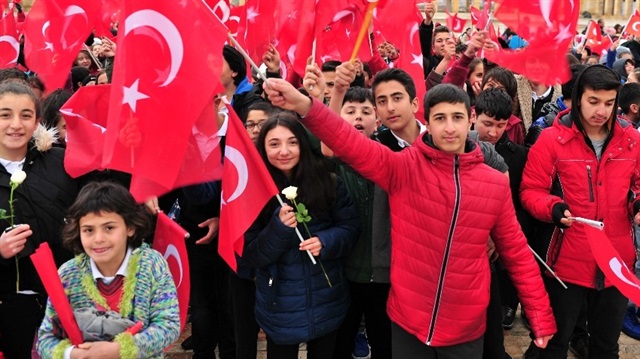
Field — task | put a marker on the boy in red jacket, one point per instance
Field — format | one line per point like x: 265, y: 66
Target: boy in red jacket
x: 444, y: 204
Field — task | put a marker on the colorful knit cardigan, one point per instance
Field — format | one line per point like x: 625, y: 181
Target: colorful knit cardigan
x: 149, y: 296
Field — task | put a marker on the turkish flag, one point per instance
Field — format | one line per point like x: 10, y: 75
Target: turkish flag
x: 155, y: 106
x: 479, y: 18
x: 247, y: 186
x: 54, y: 33
x: 47, y: 270
x: 259, y: 28
x: 338, y: 40
x: 85, y: 115
x: 108, y: 16
x: 9, y: 45
x: 169, y: 241
x: 633, y: 25
x: 454, y: 23
x: 531, y: 19
x: 595, y: 40
x: 398, y: 21
x: 611, y: 264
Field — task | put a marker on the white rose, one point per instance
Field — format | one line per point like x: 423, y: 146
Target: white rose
x: 18, y: 177
x: 290, y: 192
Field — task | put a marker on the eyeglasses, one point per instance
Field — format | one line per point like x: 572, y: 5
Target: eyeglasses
x: 251, y: 125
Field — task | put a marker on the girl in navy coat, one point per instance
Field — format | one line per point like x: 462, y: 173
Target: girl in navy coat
x: 295, y: 302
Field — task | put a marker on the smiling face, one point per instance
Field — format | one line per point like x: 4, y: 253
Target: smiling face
x: 17, y: 123
x: 104, y: 239
x: 282, y: 149
x: 83, y: 60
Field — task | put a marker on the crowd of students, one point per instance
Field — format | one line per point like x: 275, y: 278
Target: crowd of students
x: 422, y: 228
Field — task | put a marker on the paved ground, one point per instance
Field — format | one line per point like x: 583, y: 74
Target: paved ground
x: 516, y: 343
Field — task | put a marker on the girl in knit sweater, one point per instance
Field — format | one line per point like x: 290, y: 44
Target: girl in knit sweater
x: 114, y: 283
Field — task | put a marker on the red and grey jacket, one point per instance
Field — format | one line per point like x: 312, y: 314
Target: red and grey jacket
x: 443, y: 208
x: 562, y: 167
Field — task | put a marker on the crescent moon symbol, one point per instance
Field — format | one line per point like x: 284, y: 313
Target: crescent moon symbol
x: 235, y: 157
x: 414, y: 29
x: 167, y: 30
x: 344, y: 13
x: 70, y: 11
x: 617, y: 267
x: 223, y: 8
x: 14, y: 43
x: 45, y: 27
x: 291, y: 53
x: 545, y: 7
x: 237, y: 20
x: 634, y: 27
x: 172, y: 251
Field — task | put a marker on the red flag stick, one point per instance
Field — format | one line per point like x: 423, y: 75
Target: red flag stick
x: 363, y: 30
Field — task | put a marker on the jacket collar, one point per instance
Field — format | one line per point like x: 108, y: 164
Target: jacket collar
x: 472, y: 154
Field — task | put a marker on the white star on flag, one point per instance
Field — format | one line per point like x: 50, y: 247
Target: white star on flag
x: 252, y: 14
x: 564, y: 34
x: 418, y: 59
x: 48, y: 45
x: 131, y: 95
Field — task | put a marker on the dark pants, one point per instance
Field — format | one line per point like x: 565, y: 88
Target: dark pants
x: 211, y: 324
x: 369, y: 299
x: 20, y: 317
x: 319, y: 348
x: 493, y: 335
x: 605, y: 312
x: 406, y: 346
x: 243, y: 292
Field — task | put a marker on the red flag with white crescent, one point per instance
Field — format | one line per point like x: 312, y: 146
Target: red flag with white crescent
x: 54, y: 33
x: 169, y: 241
x: 247, y: 186
x: 611, y: 264
x: 9, y: 44
x: 454, y: 23
x: 633, y: 25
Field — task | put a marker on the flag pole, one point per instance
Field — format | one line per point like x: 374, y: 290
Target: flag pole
x: 313, y: 57
x: 313, y: 260
x: 548, y: 268
x: 91, y: 55
x: 363, y: 29
x: 248, y: 58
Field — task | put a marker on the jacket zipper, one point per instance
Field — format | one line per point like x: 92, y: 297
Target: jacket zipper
x: 591, y: 199
x: 443, y: 268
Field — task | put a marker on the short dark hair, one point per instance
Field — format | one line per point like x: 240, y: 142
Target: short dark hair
x: 359, y: 95
x: 567, y: 87
x: 494, y: 103
x: 263, y: 106
x: 21, y: 88
x: 51, y: 107
x: 445, y: 93
x: 78, y: 73
x: 12, y: 74
x: 366, y: 68
x: 440, y: 29
x: 504, y: 77
x: 394, y: 74
x: 628, y: 95
x: 105, y: 197
x: 36, y: 82
x: 596, y: 78
x: 236, y: 63
x: 330, y: 66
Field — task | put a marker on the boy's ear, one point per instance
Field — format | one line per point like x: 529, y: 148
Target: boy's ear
x: 131, y: 232
x: 634, y: 108
x: 472, y: 118
x: 415, y: 104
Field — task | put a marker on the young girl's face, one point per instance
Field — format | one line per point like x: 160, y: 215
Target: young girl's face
x: 283, y: 149
x: 83, y: 60
x: 104, y: 239
x: 477, y: 74
x: 17, y: 123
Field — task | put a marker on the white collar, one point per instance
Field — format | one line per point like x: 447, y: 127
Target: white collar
x: 535, y: 97
x: 402, y: 143
x: 12, y: 166
x: 95, y: 272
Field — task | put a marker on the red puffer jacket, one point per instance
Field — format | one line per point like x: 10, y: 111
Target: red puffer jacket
x: 443, y: 210
x: 593, y: 189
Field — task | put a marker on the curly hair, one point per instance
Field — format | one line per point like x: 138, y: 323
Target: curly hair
x: 105, y: 197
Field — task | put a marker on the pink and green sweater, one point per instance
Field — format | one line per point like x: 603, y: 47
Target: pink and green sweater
x: 149, y: 297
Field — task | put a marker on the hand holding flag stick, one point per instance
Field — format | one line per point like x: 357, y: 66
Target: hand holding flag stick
x: 363, y: 29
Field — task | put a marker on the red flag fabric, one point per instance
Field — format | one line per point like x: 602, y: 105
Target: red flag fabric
x: 43, y: 261
x: 612, y: 265
x: 454, y: 23
x: 108, y: 16
x: 479, y: 18
x: 598, y: 43
x: 9, y: 44
x: 549, y: 27
x: 633, y: 25
x: 85, y: 114
x: 246, y: 187
x: 54, y: 33
x: 155, y: 105
x: 337, y: 41
x: 259, y: 28
x: 169, y: 241
x: 398, y: 21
